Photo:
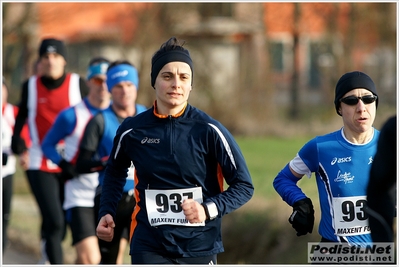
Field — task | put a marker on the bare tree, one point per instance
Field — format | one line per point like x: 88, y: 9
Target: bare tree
x: 294, y: 108
x: 19, y: 40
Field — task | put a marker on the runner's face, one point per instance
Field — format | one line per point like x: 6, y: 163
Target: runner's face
x: 52, y: 65
x: 124, y: 94
x: 98, y: 87
x: 358, y: 118
x: 173, y: 87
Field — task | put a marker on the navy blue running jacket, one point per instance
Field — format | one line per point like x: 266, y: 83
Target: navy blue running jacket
x: 188, y: 150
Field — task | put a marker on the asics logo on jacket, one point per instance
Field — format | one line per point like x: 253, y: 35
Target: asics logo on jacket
x: 150, y: 140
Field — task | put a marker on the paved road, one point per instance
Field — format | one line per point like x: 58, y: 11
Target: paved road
x: 19, y: 250
x: 13, y: 256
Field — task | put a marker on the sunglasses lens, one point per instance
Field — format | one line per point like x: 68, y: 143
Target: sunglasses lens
x: 368, y: 99
x: 353, y: 100
x: 97, y: 81
x: 350, y: 100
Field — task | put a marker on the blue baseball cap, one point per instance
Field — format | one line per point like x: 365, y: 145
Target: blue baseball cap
x: 97, y: 69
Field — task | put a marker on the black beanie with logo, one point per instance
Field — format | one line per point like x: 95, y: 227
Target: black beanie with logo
x: 52, y: 45
x: 350, y: 81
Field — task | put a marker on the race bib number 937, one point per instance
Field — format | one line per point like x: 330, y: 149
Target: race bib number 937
x: 164, y: 206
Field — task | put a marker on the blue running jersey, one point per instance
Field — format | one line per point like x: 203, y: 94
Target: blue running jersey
x: 342, y: 174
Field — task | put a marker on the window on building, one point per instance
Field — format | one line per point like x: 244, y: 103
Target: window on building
x: 276, y: 50
x: 320, y: 59
x: 280, y: 55
x: 216, y: 10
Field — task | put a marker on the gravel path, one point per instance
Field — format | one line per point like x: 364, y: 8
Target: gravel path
x: 13, y: 255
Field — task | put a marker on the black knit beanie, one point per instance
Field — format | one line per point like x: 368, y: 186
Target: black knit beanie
x: 52, y: 45
x: 350, y: 81
x: 169, y: 54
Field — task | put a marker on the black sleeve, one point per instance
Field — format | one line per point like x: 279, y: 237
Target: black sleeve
x: 84, y: 89
x: 383, y: 169
x: 381, y: 190
x: 23, y: 110
x: 5, y: 158
x: 87, y: 160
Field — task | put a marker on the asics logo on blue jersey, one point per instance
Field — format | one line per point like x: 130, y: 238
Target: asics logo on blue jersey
x: 341, y: 160
x: 150, y: 140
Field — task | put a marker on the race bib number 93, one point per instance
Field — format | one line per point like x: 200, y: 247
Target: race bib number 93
x: 350, y: 216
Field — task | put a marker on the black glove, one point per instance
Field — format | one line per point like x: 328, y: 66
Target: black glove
x: 68, y: 170
x: 18, y: 145
x: 5, y: 158
x: 302, y: 218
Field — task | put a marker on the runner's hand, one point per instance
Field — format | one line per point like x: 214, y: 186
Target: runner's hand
x: 24, y: 160
x: 302, y: 218
x: 68, y: 170
x: 193, y: 211
x: 18, y: 145
x: 105, y: 228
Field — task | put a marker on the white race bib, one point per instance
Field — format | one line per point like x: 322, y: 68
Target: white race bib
x: 350, y: 217
x: 164, y: 206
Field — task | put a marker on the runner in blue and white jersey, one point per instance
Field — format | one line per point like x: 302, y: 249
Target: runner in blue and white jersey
x: 96, y: 145
x: 341, y: 161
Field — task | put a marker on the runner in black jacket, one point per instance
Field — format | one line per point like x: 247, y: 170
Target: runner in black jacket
x: 181, y: 156
x: 381, y: 190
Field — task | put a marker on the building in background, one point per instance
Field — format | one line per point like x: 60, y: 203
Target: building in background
x: 253, y: 59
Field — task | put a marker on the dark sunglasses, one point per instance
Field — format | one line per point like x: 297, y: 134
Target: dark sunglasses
x: 97, y: 80
x: 353, y: 100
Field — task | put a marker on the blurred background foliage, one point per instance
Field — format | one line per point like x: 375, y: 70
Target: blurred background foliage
x: 257, y: 66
